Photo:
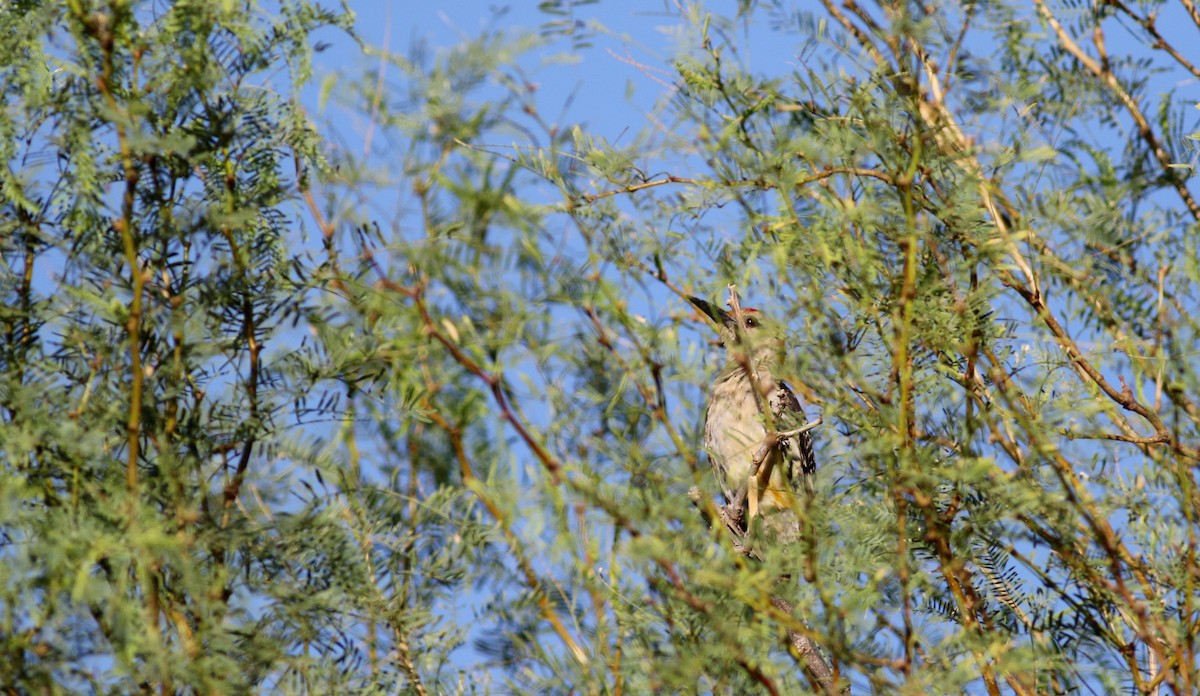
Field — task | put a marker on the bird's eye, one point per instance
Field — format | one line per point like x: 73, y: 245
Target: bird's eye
x: 751, y: 321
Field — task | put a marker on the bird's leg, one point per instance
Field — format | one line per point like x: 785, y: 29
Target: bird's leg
x: 761, y: 455
x: 759, y: 475
x: 736, y: 507
x: 731, y: 524
x: 753, y: 506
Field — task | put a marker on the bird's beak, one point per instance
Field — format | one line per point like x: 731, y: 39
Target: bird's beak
x: 718, y: 315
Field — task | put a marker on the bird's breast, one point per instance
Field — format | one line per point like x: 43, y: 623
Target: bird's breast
x: 734, y: 433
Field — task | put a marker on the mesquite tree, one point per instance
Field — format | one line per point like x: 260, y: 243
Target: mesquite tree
x: 412, y: 400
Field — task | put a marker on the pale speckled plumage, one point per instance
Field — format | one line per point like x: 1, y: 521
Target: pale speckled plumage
x: 734, y: 427
x: 734, y: 430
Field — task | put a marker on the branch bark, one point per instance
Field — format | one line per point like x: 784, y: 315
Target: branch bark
x: 805, y: 648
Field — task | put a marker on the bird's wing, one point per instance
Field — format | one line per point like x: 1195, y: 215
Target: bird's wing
x: 800, y: 447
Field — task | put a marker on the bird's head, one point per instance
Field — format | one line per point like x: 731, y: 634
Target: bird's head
x: 763, y: 337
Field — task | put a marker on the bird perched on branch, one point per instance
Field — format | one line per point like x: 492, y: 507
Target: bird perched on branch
x: 755, y: 431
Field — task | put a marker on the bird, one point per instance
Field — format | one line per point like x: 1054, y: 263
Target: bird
x: 748, y: 407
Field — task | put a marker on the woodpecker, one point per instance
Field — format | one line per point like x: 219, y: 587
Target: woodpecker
x: 748, y: 407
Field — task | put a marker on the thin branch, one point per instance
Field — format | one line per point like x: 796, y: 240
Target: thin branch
x: 1133, y: 439
x: 631, y: 188
x: 101, y: 30
x: 822, y: 175
x: 495, y: 382
x: 532, y: 580
x: 1124, y: 397
x: 1131, y: 105
x: 1147, y: 23
x: 806, y: 651
x: 1190, y: 6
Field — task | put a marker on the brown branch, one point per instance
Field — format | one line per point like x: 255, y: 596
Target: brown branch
x: 858, y: 34
x: 655, y: 399
x: 854, y: 171
x: 995, y: 204
x: 770, y: 442
x: 1131, y: 105
x: 1123, y: 397
x: 472, y: 483
x: 98, y: 26
x: 631, y: 188
x: 1190, y: 6
x: 249, y: 328
x: 806, y: 651
x: 757, y: 675
x: 1166, y: 669
x: 1095, y: 525
x: 495, y: 382
x: 952, y: 139
x: 1132, y: 439
x: 1147, y: 23
x: 326, y: 227
x: 952, y: 59
x: 749, y: 183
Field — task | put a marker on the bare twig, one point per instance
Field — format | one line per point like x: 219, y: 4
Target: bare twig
x: 535, y: 584
x: 1190, y: 5
x: 495, y: 382
x: 631, y: 188
x: 1131, y: 105
x: 802, y: 429
x: 770, y: 442
x: 807, y: 650
x: 1147, y: 23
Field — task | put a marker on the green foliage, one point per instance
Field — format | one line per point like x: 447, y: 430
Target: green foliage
x: 282, y: 415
